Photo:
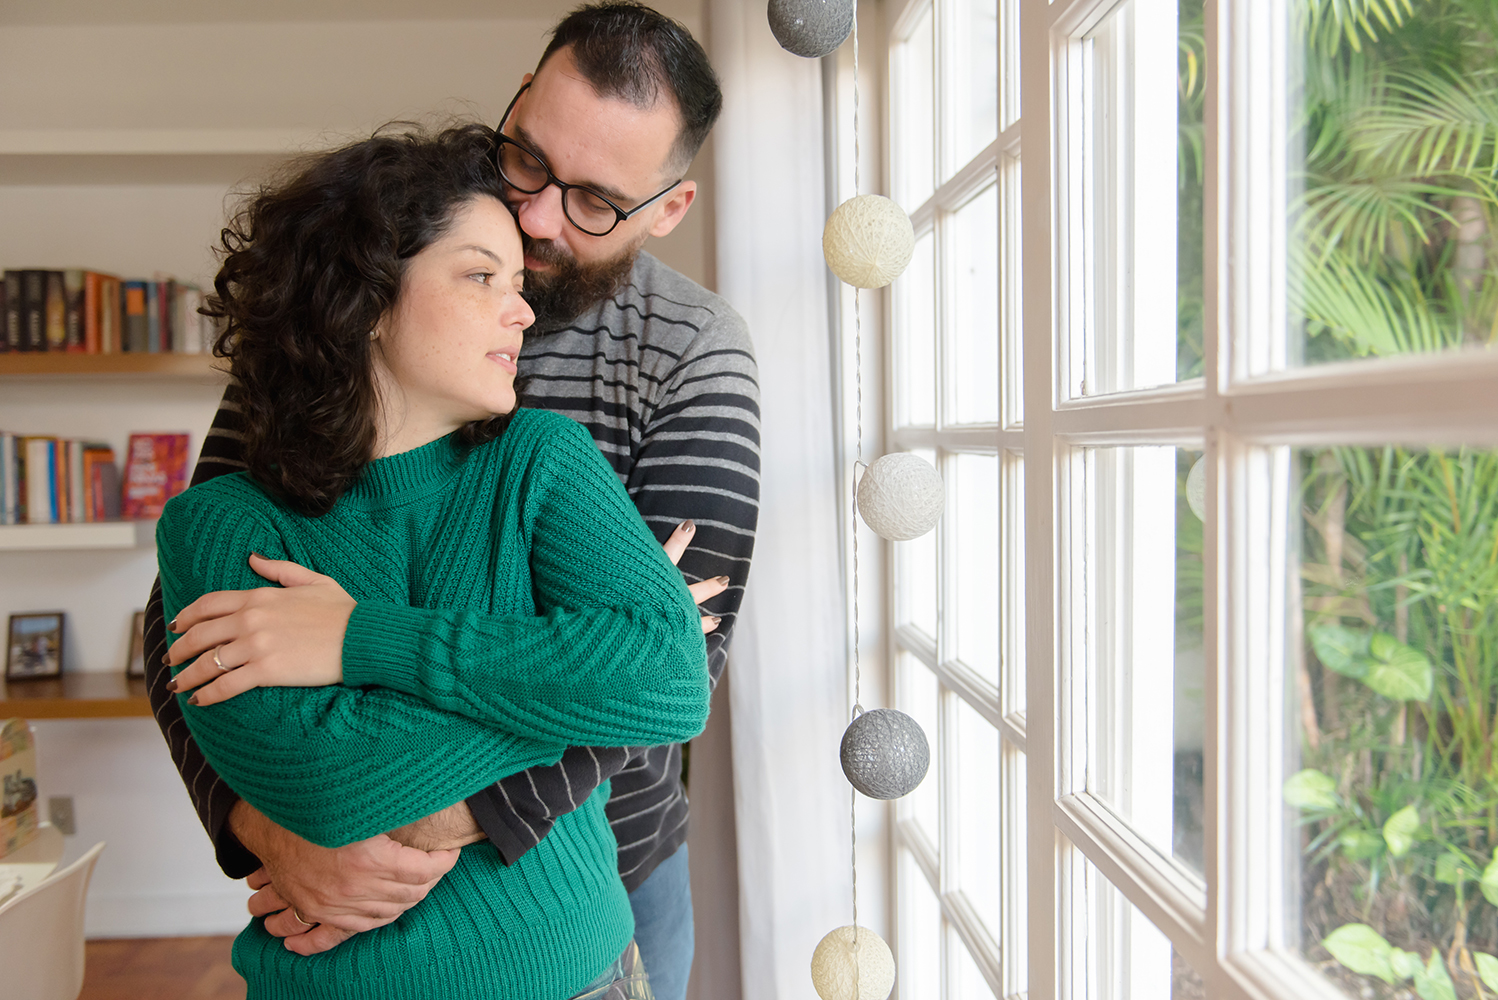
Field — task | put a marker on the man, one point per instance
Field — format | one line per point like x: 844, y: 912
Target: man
x: 661, y: 372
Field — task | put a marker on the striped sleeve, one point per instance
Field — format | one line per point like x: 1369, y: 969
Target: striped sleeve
x: 223, y: 453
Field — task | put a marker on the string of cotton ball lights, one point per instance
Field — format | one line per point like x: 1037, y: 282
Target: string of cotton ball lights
x: 867, y: 242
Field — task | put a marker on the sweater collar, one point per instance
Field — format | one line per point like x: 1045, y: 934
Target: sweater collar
x: 408, y: 475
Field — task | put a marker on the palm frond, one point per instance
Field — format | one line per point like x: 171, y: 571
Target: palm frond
x: 1433, y: 123
x: 1371, y: 314
x: 1327, y: 24
x: 1360, y: 215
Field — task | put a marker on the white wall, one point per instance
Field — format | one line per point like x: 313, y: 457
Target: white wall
x: 123, y: 131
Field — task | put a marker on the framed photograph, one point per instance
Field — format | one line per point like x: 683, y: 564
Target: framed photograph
x: 136, y: 666
x: 35, y: 645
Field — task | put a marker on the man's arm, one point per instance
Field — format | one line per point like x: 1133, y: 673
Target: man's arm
x: 697, y: 463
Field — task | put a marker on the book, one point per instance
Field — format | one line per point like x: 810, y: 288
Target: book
x: 110, y: 319
x: 100, y: 483
x: 34, y: 306
x: 135, y: 327
x: 153, y: 315
x: 155, y: 471
x: 18, y: 812
x: 93, y: 310
x: 9, y: 480
x: 13, y: 337
x: 57, y: 312
x: 73, y: 314
x: 39, y: 477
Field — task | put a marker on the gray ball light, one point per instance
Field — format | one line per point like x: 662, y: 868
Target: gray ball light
x: 885, y: 754
x: 811, y: 28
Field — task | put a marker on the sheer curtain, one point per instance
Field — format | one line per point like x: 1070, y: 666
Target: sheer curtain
x: 788, y: 694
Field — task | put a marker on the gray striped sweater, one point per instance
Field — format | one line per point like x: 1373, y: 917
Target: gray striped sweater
x: 662, y: 375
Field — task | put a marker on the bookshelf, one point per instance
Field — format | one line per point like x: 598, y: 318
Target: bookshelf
x: 58, y: 537
x: 174, y: 366
x: 76, y: 696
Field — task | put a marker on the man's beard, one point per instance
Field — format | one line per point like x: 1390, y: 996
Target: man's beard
x: 568, y: 288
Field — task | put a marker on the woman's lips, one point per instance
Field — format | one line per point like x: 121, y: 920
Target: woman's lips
x: 504, y: 359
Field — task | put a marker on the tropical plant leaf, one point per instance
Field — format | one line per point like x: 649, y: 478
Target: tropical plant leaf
x: 1432, y: 122
x: 1433, y: 982
x: 1404, y: 963
x: 1400, y: 830
x: 1327, y: 24
x: 1342, y: 649
x: 1454, y: 868
x: 1489, y: 881
x: 1311, y: 790
x: 1359, y: 844
x: 1487, y: 969
x: 1374, y: 315
x: 1362, y: 949
x: 1397, y: 671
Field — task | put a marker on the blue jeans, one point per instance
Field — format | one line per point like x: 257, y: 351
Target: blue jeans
x: 663, y: 926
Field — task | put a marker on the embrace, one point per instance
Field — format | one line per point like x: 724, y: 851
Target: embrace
x: 419, y: 648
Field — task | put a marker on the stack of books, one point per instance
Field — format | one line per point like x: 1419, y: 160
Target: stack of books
x: 46, y: 480
x: 87, y: 312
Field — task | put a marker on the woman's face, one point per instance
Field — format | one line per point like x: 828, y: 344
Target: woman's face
x: 445, y: 354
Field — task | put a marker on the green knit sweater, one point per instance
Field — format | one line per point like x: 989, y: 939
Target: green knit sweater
x: 510, y: 603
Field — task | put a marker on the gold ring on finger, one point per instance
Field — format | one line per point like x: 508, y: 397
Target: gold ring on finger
x: 217, y: 662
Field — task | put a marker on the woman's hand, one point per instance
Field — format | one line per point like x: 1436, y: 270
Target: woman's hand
x: 290, y: 636
x: 676, y: 543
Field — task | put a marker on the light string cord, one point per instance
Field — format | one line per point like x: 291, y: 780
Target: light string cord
x: 857, y: 462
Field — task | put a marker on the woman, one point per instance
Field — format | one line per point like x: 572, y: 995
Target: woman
x: 504, y: 598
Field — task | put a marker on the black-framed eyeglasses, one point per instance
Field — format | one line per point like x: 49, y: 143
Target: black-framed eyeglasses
x: 527, y: 173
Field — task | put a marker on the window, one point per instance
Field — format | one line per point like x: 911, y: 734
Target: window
x: 1204, y: 640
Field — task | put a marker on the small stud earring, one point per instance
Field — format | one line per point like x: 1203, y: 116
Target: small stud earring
x: 374, y: 335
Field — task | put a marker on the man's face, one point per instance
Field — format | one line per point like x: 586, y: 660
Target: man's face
x: 609, y: 145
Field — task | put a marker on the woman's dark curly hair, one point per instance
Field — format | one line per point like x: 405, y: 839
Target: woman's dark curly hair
x: 310, y: 264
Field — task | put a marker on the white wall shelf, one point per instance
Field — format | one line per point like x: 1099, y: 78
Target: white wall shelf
x: 98, y: 535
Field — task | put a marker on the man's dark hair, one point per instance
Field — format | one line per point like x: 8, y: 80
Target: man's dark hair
x: 631, y: 52
x: 310, y: 264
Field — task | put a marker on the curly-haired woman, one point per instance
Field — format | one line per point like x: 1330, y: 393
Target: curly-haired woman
x: 503, y: 599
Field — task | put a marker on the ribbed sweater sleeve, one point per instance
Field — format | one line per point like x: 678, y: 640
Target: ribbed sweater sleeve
x: 334, y: 764
x: 615, y: 656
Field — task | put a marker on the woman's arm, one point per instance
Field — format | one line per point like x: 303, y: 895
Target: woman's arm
x: 615, y: 658
x: 333, y: 765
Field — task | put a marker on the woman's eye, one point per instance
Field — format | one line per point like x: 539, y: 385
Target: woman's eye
x: 482, y: 277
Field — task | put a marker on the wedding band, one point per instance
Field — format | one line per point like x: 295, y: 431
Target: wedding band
x: 220, y: 664
x: 298, y: 916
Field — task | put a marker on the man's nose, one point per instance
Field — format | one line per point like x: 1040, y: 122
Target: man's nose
x: 541, y: 215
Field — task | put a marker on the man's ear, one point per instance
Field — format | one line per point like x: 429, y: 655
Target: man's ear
x: 674, y: 208
x: 527, y: 79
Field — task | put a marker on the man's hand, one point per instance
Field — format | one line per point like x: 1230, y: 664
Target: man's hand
x: 291, y: 636
x: 317, y: 897
x: 676, y: 543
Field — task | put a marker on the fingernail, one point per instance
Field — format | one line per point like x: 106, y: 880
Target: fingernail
x: 717, y: 620
x: 193, y: 699
x: 688, y: 526
x: 172, y: 625
x: 171, y: 685
x: 721, y: 579
x: 257, y: 555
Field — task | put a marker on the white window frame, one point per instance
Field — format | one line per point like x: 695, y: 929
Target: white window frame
x: 1236, y: 924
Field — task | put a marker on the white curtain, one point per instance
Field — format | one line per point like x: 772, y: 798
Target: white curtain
x: 788, y: 695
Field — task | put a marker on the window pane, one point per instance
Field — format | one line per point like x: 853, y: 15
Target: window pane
x: 914, y: 113
x: 1011, y: 288
x: 918, y: 699
x: 978, y: 809
x: 918, y: 950
x: 915, y: 569
x: 1123, y: 955
x: 1393, y: 798
x: 973, y: 80
x: 1139, y: 82
x: 1012, y: 937
x: 1138, y: 566
x: 973, y: 546
x: 1012, y: 593
x: 1392, y: 196
x: 968, y: 982
x: 972, y: 331
x: 915, y: 338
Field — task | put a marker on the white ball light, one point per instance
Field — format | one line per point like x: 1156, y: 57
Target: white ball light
x: 1196, y: 488
x: 868, y: 241
x: 841, y: 971
x: 900, y: 496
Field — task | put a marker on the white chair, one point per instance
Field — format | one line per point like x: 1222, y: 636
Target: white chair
x: 41, y: 935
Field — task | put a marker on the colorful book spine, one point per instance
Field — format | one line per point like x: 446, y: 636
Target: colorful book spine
x: 73, y: 310
x: 111, y: 317
x: 34, y: 305
x: 9, y: 480
x: 155, y: 471
x: 41, y: 500
x: 57, y: 312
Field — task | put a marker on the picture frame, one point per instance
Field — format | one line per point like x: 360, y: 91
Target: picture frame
x: 33, y: 647
x: 135, y: 666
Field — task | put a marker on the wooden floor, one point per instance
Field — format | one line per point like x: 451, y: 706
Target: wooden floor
x: 195, y: 968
